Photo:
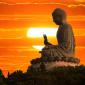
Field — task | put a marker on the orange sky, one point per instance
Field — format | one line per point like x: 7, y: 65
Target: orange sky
x: 17, y: 16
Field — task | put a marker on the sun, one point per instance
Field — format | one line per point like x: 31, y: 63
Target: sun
x: 38, y: 32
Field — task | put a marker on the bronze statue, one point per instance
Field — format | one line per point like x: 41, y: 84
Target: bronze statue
x: 53, y: 55
x: 65, y: 37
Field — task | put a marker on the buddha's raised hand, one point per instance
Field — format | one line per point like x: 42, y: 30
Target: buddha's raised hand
x: 46, y: 40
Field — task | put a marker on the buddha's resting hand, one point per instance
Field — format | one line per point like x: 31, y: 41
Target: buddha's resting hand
x: 46, y: 40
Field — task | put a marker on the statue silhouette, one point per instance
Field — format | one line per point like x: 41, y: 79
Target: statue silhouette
x: 53, y: 56
x: 65, y: 37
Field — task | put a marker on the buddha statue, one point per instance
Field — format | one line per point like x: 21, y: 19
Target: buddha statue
x: 64, y: 52
x: 65, y: 38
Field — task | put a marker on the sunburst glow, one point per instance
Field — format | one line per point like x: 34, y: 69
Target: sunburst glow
x: 38, y: 32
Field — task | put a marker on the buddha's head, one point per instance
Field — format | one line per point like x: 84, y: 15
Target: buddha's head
x: 59, y: 16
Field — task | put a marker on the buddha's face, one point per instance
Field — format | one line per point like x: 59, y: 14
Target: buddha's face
x: 58, y: 19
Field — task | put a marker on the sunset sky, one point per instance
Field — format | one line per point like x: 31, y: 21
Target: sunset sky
x: 18, y: 37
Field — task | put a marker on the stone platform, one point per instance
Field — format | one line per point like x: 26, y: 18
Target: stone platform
x: 50, y: 66
x: 49, y: 63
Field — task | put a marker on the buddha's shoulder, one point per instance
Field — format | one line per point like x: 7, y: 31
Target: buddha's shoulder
x: 67, y: 25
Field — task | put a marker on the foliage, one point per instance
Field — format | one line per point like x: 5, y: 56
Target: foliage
x: 58, y: 76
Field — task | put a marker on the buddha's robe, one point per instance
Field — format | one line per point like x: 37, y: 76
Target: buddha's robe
x: 66, y: 43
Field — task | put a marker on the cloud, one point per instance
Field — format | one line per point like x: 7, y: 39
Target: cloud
x: 64, y: 3
x: 80, y: 0
x: 40, y: 1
